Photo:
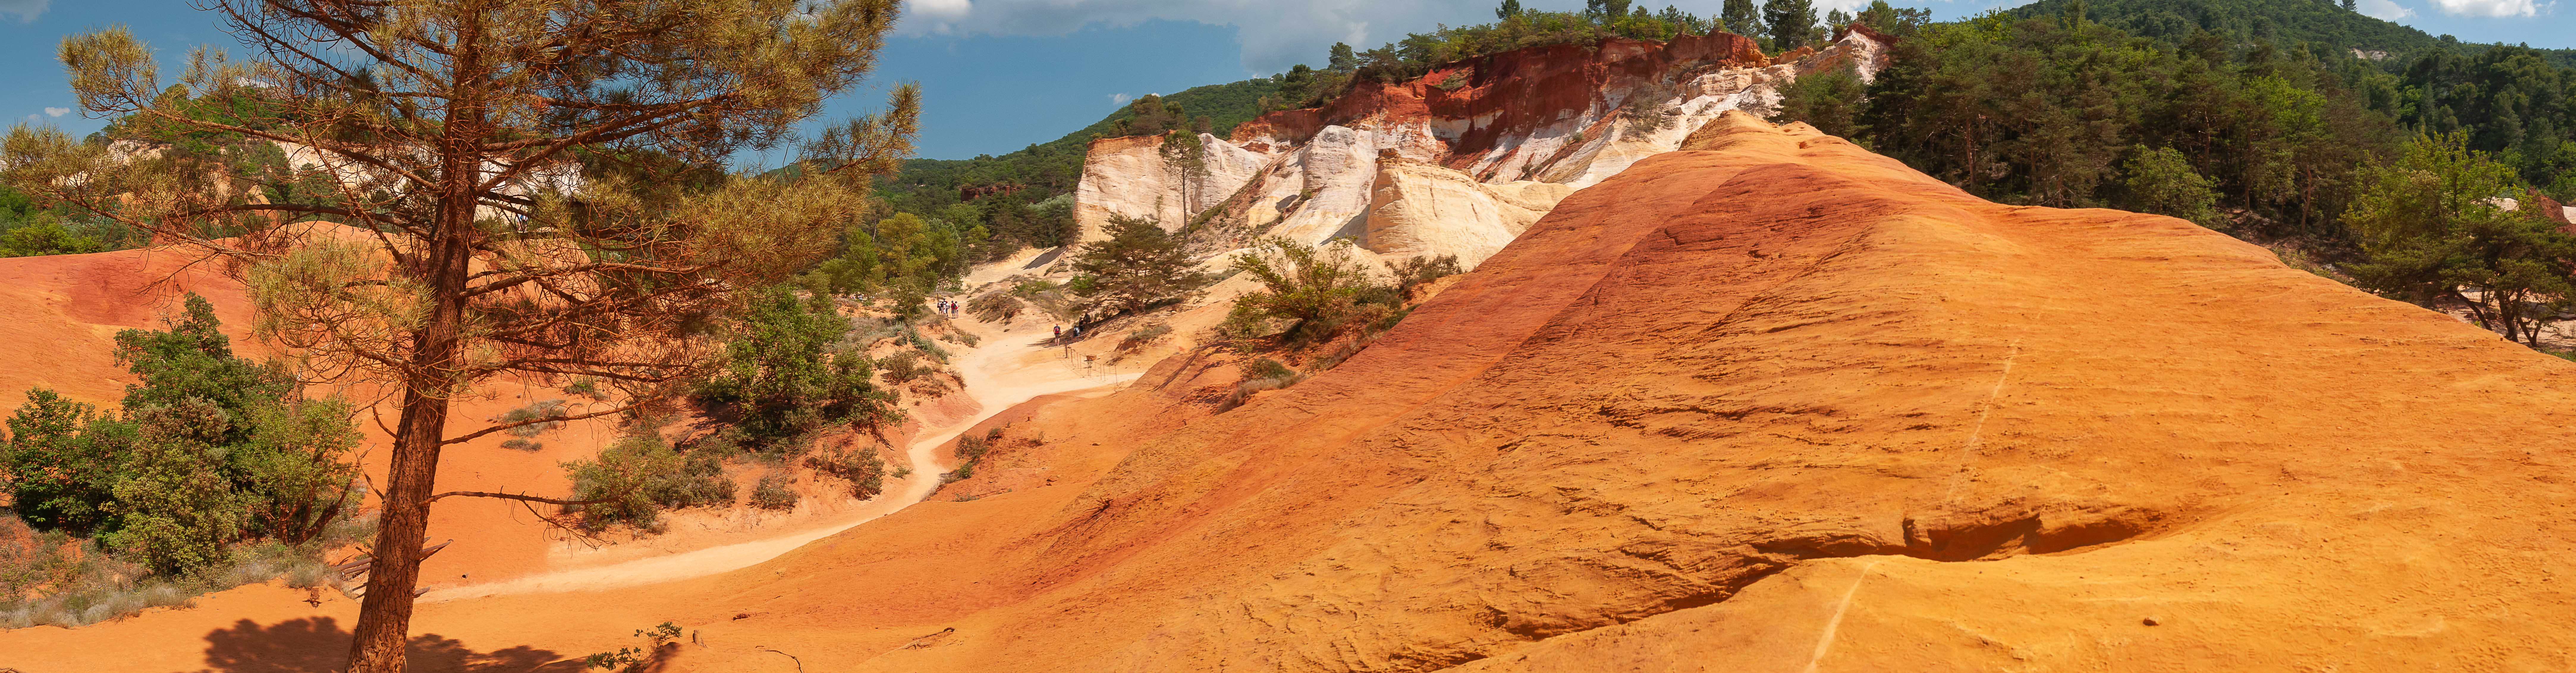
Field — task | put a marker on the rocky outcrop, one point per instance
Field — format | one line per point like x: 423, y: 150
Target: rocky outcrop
x: 1420, y: 209
x: 1564, y: 114
x: 1134, y: 176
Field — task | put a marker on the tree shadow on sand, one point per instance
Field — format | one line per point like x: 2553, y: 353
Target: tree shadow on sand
x: 319, y: 645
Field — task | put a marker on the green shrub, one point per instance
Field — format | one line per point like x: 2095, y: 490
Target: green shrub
x: 1266, y: 368
x: 587, y: 387
x: 2162, y: 181
x: 1140, y: 338
x: 44, y: 234
x: 536, y: 410
x: 209, y: 450
x: 640, y: 476
x: 636, y: 658
x: 971, y: 448
x: 783, y: 379
x: 53, y: 578
x: 1319, y: 287
x: 861, y: 467
x: 1831, y: 101
x: 903, y: 367
x: 1138, y: 267
x: 772, y: 493
x: 1415, y: 272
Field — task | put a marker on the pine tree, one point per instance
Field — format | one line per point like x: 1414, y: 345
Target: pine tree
x: 537, y: 188
x: 1741, y: 17
x: 1510, y: 8
x: 1791, y: 22
x: 1343, y: 59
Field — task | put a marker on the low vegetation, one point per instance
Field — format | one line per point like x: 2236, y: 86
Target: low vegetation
x: 629, y: 659
x: 214, y: 468
x: 860, y: 466
x: 788, y: 373
x: 1319, y: 301
x: 633, y: 480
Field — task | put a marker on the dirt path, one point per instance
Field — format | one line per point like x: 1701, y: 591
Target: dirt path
x: 1008, y: 369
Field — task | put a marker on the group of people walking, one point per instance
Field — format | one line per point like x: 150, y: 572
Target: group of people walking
x: 946, y: 307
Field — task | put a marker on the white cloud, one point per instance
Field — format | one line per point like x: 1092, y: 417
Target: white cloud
x: 2384, y: 9
x: 25, y: 10
x: 2491, y: 8
x: 57, y: 111
x: 1275, y: 33
x: 1120, y: 98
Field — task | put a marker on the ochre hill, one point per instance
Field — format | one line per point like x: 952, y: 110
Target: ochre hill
x: 1769, y: 403
x: 1779, y: 402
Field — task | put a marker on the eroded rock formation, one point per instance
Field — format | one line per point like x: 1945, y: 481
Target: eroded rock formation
x: 1562, y: 114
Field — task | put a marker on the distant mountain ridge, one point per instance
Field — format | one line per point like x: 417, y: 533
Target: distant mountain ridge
x: 2281, y: 22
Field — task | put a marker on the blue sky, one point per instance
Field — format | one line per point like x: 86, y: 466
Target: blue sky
x: 998, y: 75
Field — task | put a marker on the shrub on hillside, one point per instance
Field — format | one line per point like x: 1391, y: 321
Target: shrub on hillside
x: 640, y: 475
x: 995, y: 306
x: 783, y: 377
x: 772, y: 493
x: 2162, y: 181
x: 1318, y: 288
x: 537, y: 410
x: 209, y: 450
x: 860, y: 466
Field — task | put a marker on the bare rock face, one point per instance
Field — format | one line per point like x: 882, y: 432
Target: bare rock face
x: 1561, y: 115
x: 1135, y: 176
x: 1419, y: 209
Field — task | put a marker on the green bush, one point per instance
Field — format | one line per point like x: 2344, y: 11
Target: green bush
x: 51, y: 578
x: 45, y: 235
x: 209, y: 450
x: 861, y: 467
x: 1831, y: 101
x: 785, y: 376
x: 772, y: 493
x: 2161, y: 181
x: 537, y: 410
x: 639, y: 476
x: 1319, y: 287
x: 587, y: 387
x: 903, y: 367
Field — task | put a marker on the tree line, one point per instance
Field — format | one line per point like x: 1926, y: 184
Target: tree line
x: 2395, y: 171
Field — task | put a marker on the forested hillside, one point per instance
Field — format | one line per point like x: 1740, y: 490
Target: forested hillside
x: 2280, y: 22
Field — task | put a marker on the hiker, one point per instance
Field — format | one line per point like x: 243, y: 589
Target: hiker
x: 1059, y: 332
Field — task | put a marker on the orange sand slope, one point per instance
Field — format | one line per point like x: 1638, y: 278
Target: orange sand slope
x: 1771, y: 403
x: 63, y: 312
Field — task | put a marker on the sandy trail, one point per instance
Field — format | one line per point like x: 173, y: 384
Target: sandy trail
x: 1007, y: 370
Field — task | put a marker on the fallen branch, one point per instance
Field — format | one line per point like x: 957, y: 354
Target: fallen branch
x: 515, y: 496
x: 800, y: 663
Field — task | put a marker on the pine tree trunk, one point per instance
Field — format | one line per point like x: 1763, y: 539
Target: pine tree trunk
x: 384, y: 616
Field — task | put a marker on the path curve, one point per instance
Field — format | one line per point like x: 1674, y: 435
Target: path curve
x: 999, y: 376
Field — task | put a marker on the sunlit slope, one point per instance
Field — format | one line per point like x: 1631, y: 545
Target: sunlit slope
x: 1675, y: 424
x: 1770, y: 403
